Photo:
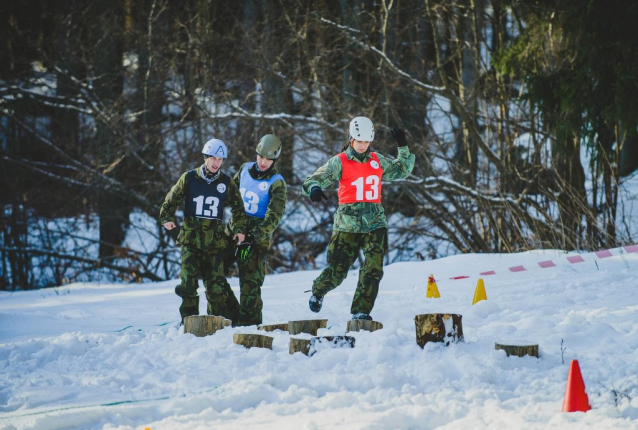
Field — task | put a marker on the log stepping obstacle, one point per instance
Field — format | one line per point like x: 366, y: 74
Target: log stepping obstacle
x: 328, y: 342
x: 446, y: 328
x: 299, y: 345
x: 273, y: 327
x: 253, y: 340
x: 306, y: 326
x: 518, y: 348
x: 204, y: 325
x: 318, y: 343
x: 365, y: 325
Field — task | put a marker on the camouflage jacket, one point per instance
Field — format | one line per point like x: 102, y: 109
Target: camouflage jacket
x: 261, y: 229
x: 362, y: 217
x: 200, y: 233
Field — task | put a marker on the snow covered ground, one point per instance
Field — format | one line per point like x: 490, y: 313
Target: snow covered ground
x: 113, y: 356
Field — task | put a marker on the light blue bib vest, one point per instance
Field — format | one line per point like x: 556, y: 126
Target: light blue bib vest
x: 255, y: 192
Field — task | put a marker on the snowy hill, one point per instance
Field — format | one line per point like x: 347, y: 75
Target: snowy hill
x: 89, y: 356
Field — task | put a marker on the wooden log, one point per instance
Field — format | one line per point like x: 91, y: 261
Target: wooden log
x: 328, y: 342
x: 445, y: 328
x: 253, y: 340
x: 306, y: 326
x: 204, y: 325
x: 518, y: 348
x: 366, y: 325
x: 299, y: 345
x: 273, y: 327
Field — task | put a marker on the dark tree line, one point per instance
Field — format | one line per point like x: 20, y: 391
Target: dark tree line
x: 104, y: 104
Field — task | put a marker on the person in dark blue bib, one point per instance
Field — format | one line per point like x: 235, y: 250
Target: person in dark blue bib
x: 205, y: 192
x: 264, y: 193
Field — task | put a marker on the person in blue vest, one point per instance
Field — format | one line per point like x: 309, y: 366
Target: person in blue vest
x: 205, y: 192
x: 264, y: 192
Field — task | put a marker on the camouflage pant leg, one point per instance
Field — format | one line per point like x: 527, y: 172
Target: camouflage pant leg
x: 187, y: 290
x: 342, y: 252
x: 375, y: 246
x: 252, y: 272
x: 220, y: 297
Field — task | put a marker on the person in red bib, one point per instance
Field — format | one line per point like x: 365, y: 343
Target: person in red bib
x: 359, y: 222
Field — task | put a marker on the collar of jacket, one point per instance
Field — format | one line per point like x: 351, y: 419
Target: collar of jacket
x: 255, y: 173
x: 209, y: 179
x: 353, y: 155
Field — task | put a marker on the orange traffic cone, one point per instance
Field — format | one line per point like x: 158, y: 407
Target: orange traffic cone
x: 479, y: 293
x: 433, y: 290
x: 576, y: 399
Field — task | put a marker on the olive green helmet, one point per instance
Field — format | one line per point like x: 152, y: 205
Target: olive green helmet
x: 269, y: 146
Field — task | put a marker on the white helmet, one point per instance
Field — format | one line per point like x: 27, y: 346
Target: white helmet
x: 215, y: 148
x: 361, y: 128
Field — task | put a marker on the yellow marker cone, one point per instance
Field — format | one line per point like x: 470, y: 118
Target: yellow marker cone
x: 479, y: 294
x: 433, y: 290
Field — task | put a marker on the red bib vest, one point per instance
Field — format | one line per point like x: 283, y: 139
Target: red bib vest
x: 360, y: 182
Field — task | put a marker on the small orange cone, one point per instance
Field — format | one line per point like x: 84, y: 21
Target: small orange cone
x: 433, y: 290
x: 479, y: 294
x: 576, y: 399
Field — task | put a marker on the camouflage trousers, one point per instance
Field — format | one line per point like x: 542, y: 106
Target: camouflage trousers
x: 343, y: 250
x: 209, y: 266
x: 252, y: 272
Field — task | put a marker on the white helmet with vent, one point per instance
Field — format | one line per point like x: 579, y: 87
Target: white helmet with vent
x: 361, y: 128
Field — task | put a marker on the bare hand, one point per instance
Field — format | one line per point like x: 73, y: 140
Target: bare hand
x: 239, y: 238
x: 170, y: 225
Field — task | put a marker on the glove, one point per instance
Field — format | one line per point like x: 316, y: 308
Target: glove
x: 242, y: 251
x: 174, y: 233
x: 316, y: 195
x: 399, y: 137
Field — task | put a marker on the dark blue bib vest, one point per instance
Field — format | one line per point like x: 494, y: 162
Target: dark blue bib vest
x: 204, y: 200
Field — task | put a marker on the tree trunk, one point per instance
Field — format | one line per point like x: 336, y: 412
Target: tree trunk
x: 438, y: 328
x: 306, y: 326
x: 299, y: 345
x: 204, y: 325
x: 108, y: 44
x: 328, y: 342
x: 359, y: 325
x: 253, y: 340
x: 518, y: 348
x: 273, y: 327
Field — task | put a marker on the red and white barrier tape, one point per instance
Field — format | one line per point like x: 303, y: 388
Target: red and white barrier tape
x: 572, y: 259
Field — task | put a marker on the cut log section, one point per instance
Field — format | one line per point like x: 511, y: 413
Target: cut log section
x: 329, y: 342
x: 253, y: 340
x: 519, y: 348
x: 299, y: 345
x: 204, y: 325
x: 306, y: 326
x: 273, y: 327
x: 365, y: 325
x: 445, y: 328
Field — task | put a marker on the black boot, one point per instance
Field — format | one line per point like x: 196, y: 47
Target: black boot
x: 315, y: 303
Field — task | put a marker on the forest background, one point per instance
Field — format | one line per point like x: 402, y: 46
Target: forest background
x: 523, y: 116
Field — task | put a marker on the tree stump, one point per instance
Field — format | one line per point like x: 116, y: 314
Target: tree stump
x: 253, y: 340
x: 366, y: 325
x: 299, y: 345
x: 273, y: 327
x: 328, y: 342
x: 438, y: 328
x: 204, y: 325
x: 518, y: 348
x: 306, y: 326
